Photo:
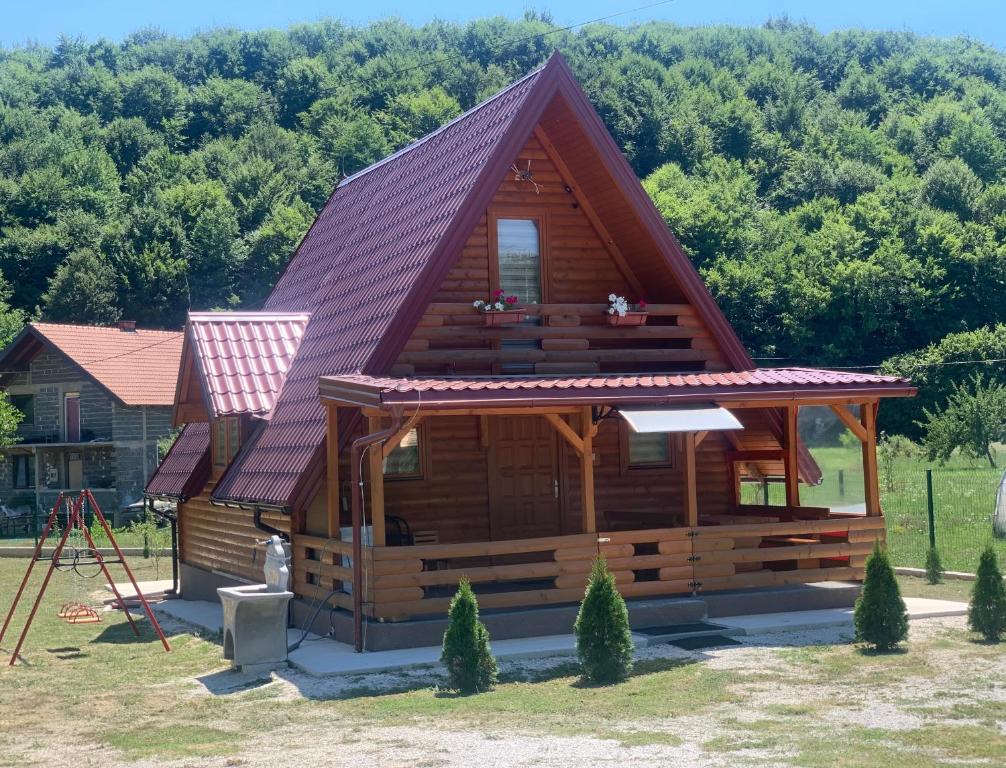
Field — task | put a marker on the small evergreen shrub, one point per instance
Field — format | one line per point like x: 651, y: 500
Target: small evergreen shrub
x: 466, y: 654
x: 934, y: 567
x: 987, y: 611
x: 603, y: 638
x: 881, y: 617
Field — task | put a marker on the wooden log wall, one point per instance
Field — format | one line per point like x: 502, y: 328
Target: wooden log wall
x: 582, y: 266
x: 223, y: 539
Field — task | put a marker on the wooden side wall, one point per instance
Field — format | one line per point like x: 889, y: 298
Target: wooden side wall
x: 453, y: 499
x: 223, y: 539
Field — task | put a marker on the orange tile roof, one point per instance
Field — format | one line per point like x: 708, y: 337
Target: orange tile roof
x: 139, y: 367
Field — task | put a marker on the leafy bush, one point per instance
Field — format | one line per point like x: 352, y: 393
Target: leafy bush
x: 881, y: 617
x: 469, y: 661
x: 934, y: 567
x: 987, y: 611
x: 603, y: 638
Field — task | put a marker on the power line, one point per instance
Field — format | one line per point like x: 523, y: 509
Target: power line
x: 933, y: 364
x: 529, y: 38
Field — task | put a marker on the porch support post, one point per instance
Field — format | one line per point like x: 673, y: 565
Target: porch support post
x: 587, y: 470
x: 375, y: 461
x: 691, y: 492
x: 332, y: 470
x: 791, y: 445
x: 868, y: 418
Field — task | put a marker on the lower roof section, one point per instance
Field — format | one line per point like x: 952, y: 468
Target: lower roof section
x: 763, y: 385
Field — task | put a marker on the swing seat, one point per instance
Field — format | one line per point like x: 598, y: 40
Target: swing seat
x: 82, y: 614
x: 67, y: 608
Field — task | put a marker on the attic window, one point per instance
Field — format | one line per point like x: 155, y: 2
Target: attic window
x: 518, y: 245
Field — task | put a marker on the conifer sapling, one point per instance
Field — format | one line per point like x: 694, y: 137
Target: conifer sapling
x: 466, y: 653
x: 603, y: 637
x: 934, y: 567
x: 987, y: 610
x: 881, y: 617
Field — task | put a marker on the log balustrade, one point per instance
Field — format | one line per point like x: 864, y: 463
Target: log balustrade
x: 411, y: 581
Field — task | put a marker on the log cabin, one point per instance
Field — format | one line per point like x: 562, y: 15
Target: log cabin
x: 402, y: 438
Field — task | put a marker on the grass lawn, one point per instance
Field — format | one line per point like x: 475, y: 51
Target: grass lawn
x: 964, y: 494
x: 819, y: 703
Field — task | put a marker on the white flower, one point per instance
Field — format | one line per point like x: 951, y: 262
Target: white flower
x: 612, y: 297
x: 611, y: 310
x: 499, y: 306
x: 478, y: 303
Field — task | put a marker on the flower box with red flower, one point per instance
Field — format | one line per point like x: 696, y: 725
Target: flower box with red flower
x: 500, y: 310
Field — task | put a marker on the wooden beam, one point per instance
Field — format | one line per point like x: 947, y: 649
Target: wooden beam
x: 850, y: 421
x: 868, y: 419
x: 791, y: 446
x: 395, y: 440
x: 375, y: 461
x: 567, y: 432
x: 587, y: 469
x: 589, y: 212
x: 699, y: 437
x: 332, y: 500
x: 484, y: 431
x: 691, y: 492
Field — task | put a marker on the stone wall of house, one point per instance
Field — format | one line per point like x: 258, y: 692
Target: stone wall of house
x: 120, y: 471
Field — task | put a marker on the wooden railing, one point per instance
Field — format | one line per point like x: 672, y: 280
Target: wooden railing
x: 414, y: 581
x: 572, y: 335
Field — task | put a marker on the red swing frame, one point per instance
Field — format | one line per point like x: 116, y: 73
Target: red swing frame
x: 76, y: 518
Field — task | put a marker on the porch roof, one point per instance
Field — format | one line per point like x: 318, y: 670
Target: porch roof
x: 761, y: 384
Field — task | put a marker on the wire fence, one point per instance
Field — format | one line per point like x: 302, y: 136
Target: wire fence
x: 953, y: 508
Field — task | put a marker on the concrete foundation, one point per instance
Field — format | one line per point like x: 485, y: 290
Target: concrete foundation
x: 200, y: 584
x: 508, y: 624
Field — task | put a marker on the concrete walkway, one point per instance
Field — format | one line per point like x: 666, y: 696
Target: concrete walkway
x: 322, y: 657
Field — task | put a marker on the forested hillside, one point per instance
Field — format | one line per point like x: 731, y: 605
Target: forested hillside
x: 842, y: 194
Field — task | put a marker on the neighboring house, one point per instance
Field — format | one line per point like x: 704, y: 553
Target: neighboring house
x: 95, y: 401
x: 509, y: 453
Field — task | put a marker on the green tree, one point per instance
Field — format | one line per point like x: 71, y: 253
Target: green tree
x: 470, y: 664
x: 10, y: 420
x: 603, y: 638
x: 973, y: 419
x: 952, y: 186
x: 880, y: 615
x: 83, y: 290
x: 987, y: 609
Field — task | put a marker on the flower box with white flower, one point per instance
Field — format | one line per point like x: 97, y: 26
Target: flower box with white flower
x: 500, y: 310
x: 619, y: 312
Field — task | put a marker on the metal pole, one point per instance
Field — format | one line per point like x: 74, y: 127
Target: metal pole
x: 841, y: 483
x: 929, y: 508
x: 764, y: 490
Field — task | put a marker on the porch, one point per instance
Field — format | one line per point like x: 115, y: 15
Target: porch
x: 558, y: 493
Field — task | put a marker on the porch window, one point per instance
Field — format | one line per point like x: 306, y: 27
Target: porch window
x: 23, y: 470
x: 649, y: 449
x: 406, y: 461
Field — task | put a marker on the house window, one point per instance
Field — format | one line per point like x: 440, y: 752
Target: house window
x: 71, y: 414
x: 226, y: 440
x: 649, y: 449
x: 518, y: 246
x: 23, y: 470
x: 25, y: 404
x: 406, y: 461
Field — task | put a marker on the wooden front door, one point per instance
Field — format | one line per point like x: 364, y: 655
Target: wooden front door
x: 523, y: 478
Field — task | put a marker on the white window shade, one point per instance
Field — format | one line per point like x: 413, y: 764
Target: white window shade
x: 702, y: 419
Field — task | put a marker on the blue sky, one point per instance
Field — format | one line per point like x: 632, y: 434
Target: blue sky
x: 45, y: 21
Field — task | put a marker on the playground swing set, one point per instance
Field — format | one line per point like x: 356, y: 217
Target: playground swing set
x: 76, y: 553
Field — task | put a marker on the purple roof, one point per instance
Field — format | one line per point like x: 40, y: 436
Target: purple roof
x: 370, y: 247
x: 185, y: 469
